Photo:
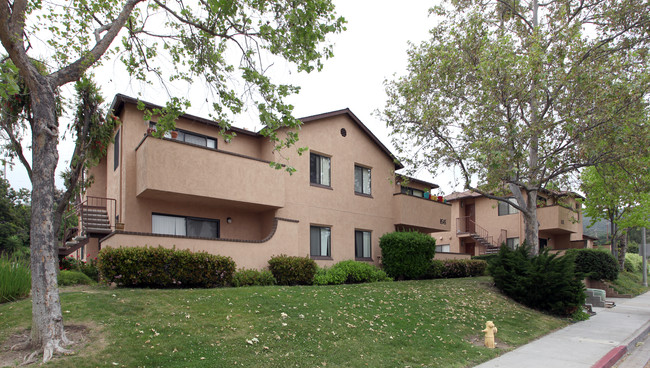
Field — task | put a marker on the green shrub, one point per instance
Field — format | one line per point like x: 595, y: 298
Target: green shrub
x: 407, y: 255
x: 633, y: 263
x: 289, y: 270
x: 595, y: 263
x: 545, y: 282
x: 163, y: 268
x: 349, y: 272
x: 87, y: 267
x: 15, y: 278
x: 486, y: 257
x: 454, y: 268
x: 68, y: 278
x: 246, y: 277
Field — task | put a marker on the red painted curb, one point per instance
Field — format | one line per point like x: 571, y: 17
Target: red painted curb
x: 611, y: 358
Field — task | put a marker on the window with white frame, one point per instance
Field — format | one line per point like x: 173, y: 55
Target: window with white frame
x: 320, y: 242
x: 507, y: 209
x: 361, y: 180
x: 362, y: 244
x: 319, y: 169
x: 512, y: 243
x: 184, y: 226
x: 442, y: 248
x: 412, y: 192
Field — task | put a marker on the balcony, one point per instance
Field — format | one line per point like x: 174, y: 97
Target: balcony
x: 173, y: 171
x: 557, y: 219
x: 421, y: 214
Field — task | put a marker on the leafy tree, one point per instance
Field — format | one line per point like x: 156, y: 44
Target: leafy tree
x: 222, y: 43
x: 620, y: 193
x: 14, y: 218
x: 519, y: 95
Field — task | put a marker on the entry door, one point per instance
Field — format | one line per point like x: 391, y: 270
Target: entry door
x: 470, y: 248
x: 542, y: 243
x: 470, y: 212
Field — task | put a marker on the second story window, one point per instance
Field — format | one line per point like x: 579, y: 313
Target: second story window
x: 319, y: 170
x: 413, y: 192
x: 361, y: 180
x: 184, y: 226
x: 189, y: 137
x: 507, y: 209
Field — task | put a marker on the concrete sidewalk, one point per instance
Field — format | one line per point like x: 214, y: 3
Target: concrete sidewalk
x: 598, y: 342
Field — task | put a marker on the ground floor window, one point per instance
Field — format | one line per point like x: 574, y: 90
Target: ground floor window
x: 442, y: 248
x: 512, y: 243
x: 184, y: 226
x: 362, y: 244
x: 320, y: 242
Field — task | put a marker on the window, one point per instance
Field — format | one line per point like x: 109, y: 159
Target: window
x: 507, y: 209
x: 413, y: 192
x: 116, y: 151
x: 442, y: 248
x: 361, y: 180
x: 362, y: 244
x: 319, y: 169
x: 184, y: 226
x: 189, y: 137
x: 320, y: 241
x: 512, y: 243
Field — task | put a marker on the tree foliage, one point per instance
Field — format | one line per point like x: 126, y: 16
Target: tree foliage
x: 14, y: 218
x: 228, y: 45
x: 518, y: 96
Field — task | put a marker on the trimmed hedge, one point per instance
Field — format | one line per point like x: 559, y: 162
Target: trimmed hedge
x: 349, y: 272
x: 68, y: 278
x: 407, y: 255
x: 455, y: 268
x: 164, y: 268
x: 89, y: 268
x: 246, y: 277
x: 545, y: 282
x: 289, y: 270
x: 595, y: 263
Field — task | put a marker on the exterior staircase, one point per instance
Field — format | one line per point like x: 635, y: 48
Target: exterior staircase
x: 465, y: 225
x: 94, y: 222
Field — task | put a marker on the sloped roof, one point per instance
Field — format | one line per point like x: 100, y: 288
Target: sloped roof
x: 118, y: 104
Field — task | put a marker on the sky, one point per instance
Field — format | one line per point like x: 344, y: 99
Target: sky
x: 371, y: 50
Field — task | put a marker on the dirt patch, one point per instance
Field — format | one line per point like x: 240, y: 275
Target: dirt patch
x: 80, y: 335
x: 479, y: 340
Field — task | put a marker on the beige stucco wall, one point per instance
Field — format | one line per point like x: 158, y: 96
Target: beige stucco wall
x: 168, y: 177
x: 558, y: 224
x: 245, y: 254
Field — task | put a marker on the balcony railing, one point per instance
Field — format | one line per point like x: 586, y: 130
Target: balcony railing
x: 422, y: 214
x: 170, y: 169
x: 465, y: 225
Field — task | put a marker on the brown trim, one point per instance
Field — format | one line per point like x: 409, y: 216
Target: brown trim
x: 363, y: 194
x: 120, y: 100
x: 418, y: 181
x: 354, y: 118
x: 320, y: 186
x: 267, y: 238
x: 321, y: 258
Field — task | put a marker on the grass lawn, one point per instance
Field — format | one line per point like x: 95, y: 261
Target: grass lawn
x: 391, y: 324
x: 629, y: 283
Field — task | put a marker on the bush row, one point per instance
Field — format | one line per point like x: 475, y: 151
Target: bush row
x: 162, y: 267
x: 349, y: 272
x: 455, y: 268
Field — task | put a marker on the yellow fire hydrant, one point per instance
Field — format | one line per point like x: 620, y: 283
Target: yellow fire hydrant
x: 490, y: 330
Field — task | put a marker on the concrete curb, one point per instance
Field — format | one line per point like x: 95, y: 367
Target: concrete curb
x: 618, y: 352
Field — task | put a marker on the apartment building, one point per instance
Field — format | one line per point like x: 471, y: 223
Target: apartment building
x: 480, y: 225
x: 194, y: 190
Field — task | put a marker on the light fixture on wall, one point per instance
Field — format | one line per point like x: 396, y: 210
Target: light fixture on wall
x: 229, y: 220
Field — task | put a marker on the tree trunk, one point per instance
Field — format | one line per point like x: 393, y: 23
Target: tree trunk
x: 531, y: 226
x: 47, y: 321
x: 622, y: 249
